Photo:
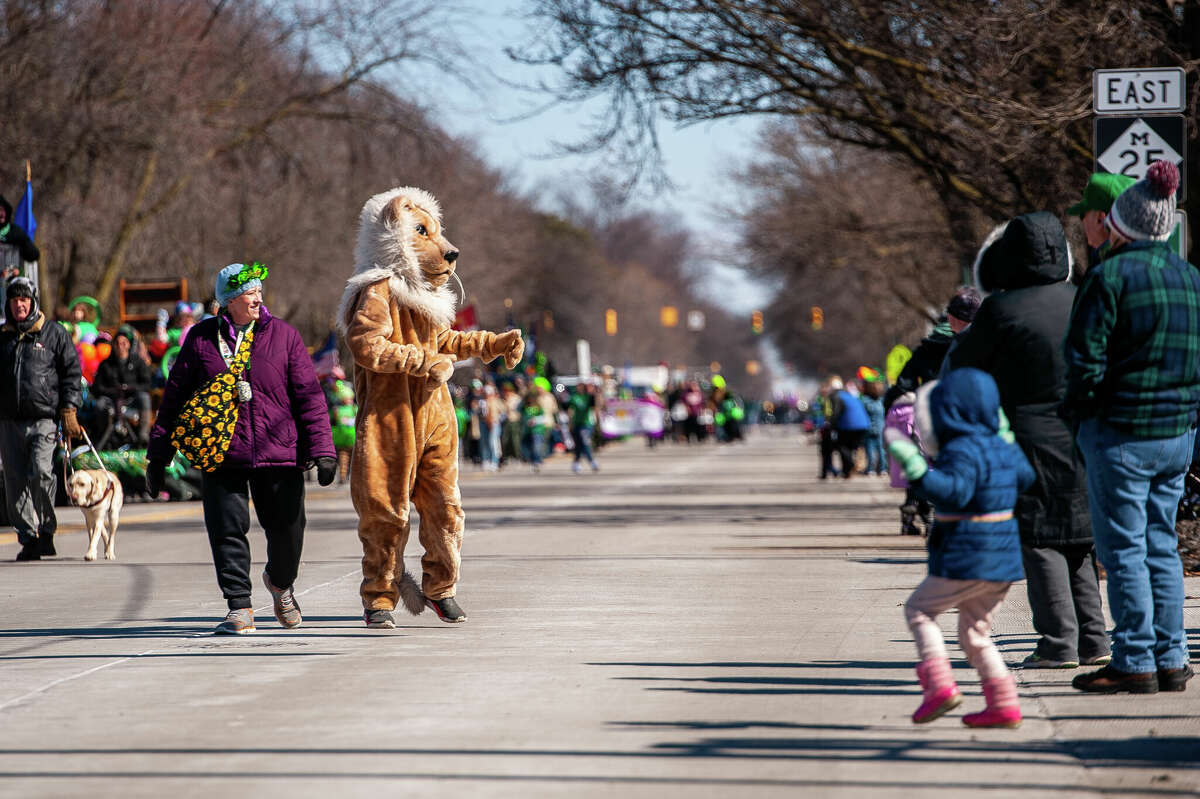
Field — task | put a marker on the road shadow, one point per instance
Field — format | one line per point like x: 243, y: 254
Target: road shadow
x: 182, y: 628
x: 760, y: 664
x: 615, y: 765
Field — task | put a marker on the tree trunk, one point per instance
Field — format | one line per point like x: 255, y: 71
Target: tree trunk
x: 115, y: 261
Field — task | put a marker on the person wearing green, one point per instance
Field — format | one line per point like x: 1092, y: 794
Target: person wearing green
x: 1099, y: 194
x: 538, y: 412
x: 342, y: 417
x: 1133, y: 390
x: 581, y: 408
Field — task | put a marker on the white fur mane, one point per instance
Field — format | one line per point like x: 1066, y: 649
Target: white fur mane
x: 991, y: 239
x: 385, y: 252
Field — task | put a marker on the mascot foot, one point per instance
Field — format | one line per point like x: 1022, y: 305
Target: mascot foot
x: 447, y: 609
x: 379, y: 619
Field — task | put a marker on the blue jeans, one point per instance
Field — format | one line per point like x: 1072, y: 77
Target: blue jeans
x: 874, y: 444
x: 533, y: 446
x: 1134, y: 485
x: 583, y: 444
x: 489, y: 442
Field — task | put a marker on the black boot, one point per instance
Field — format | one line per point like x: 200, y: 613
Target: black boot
x: 46, y: 545
x: 925, y: 512
x: 447, y: 609
x: 29, y: 551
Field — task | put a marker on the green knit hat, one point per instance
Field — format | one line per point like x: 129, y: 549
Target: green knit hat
x: 1101, y: 191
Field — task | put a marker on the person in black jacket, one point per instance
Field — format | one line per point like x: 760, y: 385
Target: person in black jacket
x: 13, y: 234
x: 39, y: 380
x: 123, y: 379
x: 1017, y: 337
x: 925, y: 363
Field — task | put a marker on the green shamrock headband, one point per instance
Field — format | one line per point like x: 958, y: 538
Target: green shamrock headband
x: 254, y: 271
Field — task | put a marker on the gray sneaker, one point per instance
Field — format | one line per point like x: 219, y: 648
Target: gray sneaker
x: 1099, y: 660
x: 239, y: 621
x: 1036, y: 661
x: 287, y: 610
x: 379, y: 619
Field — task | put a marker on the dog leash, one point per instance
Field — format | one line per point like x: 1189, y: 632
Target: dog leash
x: 95, y: 452
x: 67, y: 459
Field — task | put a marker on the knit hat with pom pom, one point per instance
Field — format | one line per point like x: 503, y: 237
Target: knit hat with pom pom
x: 1146, y: 210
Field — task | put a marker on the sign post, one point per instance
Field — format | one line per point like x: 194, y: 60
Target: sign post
x: 1178, y: 241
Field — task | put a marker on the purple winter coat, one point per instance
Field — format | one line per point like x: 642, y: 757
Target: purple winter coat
x: 285, y: 424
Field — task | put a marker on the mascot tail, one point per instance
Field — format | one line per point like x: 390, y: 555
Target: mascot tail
x: 411, y: 595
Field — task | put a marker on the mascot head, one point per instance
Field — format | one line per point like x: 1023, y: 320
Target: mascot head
x: 400, y: 240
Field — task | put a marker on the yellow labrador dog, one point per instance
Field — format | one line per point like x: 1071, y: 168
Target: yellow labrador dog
x: 98, y: 494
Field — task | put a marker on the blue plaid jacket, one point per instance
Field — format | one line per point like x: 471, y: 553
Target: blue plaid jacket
x: 1133, y: 347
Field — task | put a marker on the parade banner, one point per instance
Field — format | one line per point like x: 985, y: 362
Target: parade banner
x: 631, y: 417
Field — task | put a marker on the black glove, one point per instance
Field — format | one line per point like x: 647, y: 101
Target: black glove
x: 156, y: 475
x: 326, y: 470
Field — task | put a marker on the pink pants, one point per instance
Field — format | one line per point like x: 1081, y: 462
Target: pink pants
x: 976, y: 600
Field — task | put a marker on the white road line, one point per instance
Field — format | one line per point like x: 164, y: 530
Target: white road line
x: 71, y: 677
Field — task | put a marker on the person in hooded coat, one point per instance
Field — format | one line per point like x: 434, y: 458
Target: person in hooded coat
x: 1017, y: 337
x: 15, y: 235
x: 973, y: 481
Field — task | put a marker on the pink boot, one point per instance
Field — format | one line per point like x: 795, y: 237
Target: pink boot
x: 1002, y: 708
x: 941, y: 694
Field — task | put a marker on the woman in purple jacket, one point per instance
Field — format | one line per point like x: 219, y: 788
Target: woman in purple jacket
x: 282, y: 428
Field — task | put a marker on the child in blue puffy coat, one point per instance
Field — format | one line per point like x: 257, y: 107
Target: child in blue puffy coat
x: 974, y: 547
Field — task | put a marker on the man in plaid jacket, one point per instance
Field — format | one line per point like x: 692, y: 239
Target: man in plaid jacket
x: 1133, y: 389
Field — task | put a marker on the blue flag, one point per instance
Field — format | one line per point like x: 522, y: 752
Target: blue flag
x: 24, y: 215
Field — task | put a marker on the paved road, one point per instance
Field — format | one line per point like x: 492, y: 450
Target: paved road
x: 695, y: 621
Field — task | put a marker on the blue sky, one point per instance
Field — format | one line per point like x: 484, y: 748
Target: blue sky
x: 697, y: 158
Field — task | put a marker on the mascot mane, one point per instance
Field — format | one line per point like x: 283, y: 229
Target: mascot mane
x: 385, y: 252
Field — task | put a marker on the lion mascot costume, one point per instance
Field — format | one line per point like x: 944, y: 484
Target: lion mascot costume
x: 396, y: 315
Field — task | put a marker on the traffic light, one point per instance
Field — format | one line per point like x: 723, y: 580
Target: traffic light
x: 756, y: 323
x: 610, y: 322
x: 818, y: 318
x: 668, y: 316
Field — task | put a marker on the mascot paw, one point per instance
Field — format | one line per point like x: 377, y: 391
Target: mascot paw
x: 442, y: 368
x: 512, y: 346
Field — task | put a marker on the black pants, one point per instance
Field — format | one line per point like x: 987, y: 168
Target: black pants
x: 279, y: 503
x: 828, y: 447
x: 848, y: 442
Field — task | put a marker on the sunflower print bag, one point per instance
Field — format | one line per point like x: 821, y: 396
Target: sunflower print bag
x: 204, y: 428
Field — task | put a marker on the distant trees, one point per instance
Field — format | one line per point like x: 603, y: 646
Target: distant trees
x: 170, y: 137
x: 165, y: 132
x: 857, y: 234
x: 981, y: 109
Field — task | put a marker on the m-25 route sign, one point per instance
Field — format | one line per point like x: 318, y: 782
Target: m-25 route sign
x: 1124, y: 91
x: 1129, y: 145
